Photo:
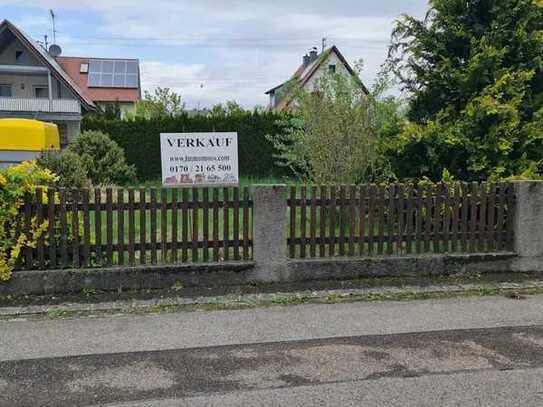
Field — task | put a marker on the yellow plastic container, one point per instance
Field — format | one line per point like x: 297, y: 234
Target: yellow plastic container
x: 28, y: 135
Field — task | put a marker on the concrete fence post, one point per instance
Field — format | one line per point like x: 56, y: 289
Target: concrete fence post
x: 528, y: 226
x: 269, y: 231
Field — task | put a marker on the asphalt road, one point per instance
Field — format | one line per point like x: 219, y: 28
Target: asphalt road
x: 461, y: 352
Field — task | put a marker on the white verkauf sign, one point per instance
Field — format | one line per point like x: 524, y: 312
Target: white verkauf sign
x: 190, y: 159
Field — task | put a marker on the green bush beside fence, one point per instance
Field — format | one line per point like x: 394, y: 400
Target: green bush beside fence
x: 140, y: 139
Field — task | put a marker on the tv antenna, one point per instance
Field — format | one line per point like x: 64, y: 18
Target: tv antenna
x: 52, y: 14
x: 324, y: 39
x: 45, y: 42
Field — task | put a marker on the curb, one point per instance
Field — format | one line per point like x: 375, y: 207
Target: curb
x: 225, y: 302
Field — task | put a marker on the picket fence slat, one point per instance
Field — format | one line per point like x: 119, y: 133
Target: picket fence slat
x: 215, y: 225
x: 332, y: 214
x: 97, y: 226
x: 163, y: 225
x: 205, y: 224
x: 131, y: 228
x: 39, y: 220
x: 185, y: 226
x: 174, y: 224
x: 226, y: 224
x: 322, y: 219
x: 109, y: 226
x: 143, y: 226
x: 51, y: 235
x: 362, y: 218
x: 120, y: 227
x: 371, y: 217
x: 246, y: 221
x: 86, y: 228
x: 303, y: 220
x: 235, y: 223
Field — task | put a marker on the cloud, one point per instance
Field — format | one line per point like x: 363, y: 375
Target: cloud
x: 236, y: 48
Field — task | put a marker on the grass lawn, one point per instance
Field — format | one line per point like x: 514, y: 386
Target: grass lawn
x: 131, y: 225
x: 243, y: 182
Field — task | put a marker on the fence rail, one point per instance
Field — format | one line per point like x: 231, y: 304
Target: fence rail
x: 398, y: 219
x: 116, y: 227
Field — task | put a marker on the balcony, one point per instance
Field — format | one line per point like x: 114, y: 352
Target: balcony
x: 39, y: 105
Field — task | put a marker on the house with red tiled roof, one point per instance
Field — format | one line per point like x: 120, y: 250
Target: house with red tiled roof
x: 39, y: 83
x: 313, y: 67
x: 105, y: 81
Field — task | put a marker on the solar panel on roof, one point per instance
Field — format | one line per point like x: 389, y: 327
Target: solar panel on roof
x: 93, y: 80
x: 106, y: 73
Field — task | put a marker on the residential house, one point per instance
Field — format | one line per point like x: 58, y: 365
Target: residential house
x: 41, y: 84
x: 106, y: 81
x: 313, y: 67
x: 33, y: 85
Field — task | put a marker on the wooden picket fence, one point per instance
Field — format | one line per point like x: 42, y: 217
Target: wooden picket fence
x: 398, y: 219
x: 128, y: 227
x: 116, y: 227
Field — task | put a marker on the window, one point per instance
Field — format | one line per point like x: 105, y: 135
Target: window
x: 19, y: 57
x: 332, y: 68
x: 41, y: 91
x: 5, y: 91
x: 84, y: 68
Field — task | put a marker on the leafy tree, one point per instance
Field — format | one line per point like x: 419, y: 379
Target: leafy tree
x: 474, y: 74
x: 109, y: 111
x: 162, y: 103
x: 230, y: 108
x: 104, y: 160
x: 333, y: 136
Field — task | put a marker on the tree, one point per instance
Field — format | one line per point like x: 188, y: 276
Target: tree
x: 109, y: 111
x: 162, y: 103
x: 333, y: 135
x: 473, y: 70
x: 230, y: 108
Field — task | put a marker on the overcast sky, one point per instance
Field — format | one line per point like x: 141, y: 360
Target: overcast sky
x: 211, y: 51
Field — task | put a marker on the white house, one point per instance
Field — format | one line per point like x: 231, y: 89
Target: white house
x: 313, y: 67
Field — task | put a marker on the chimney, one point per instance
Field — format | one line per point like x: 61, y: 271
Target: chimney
x: 306, y: 60
x: 313, y: 54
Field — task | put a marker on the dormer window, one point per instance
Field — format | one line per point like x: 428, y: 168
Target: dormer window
x: 19, y: 56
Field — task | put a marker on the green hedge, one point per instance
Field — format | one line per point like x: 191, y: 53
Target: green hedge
x: 140, y: 139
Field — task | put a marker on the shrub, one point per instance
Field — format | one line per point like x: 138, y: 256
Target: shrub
x: 140, y: 139
x: 67, y: 166
x: 15, y: 183
x: 103, y: 159
x: 334, y: 136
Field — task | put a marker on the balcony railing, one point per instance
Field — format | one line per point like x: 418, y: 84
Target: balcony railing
x: 39, y: 105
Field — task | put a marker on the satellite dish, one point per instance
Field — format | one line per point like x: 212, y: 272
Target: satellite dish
x: 55, y: 50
